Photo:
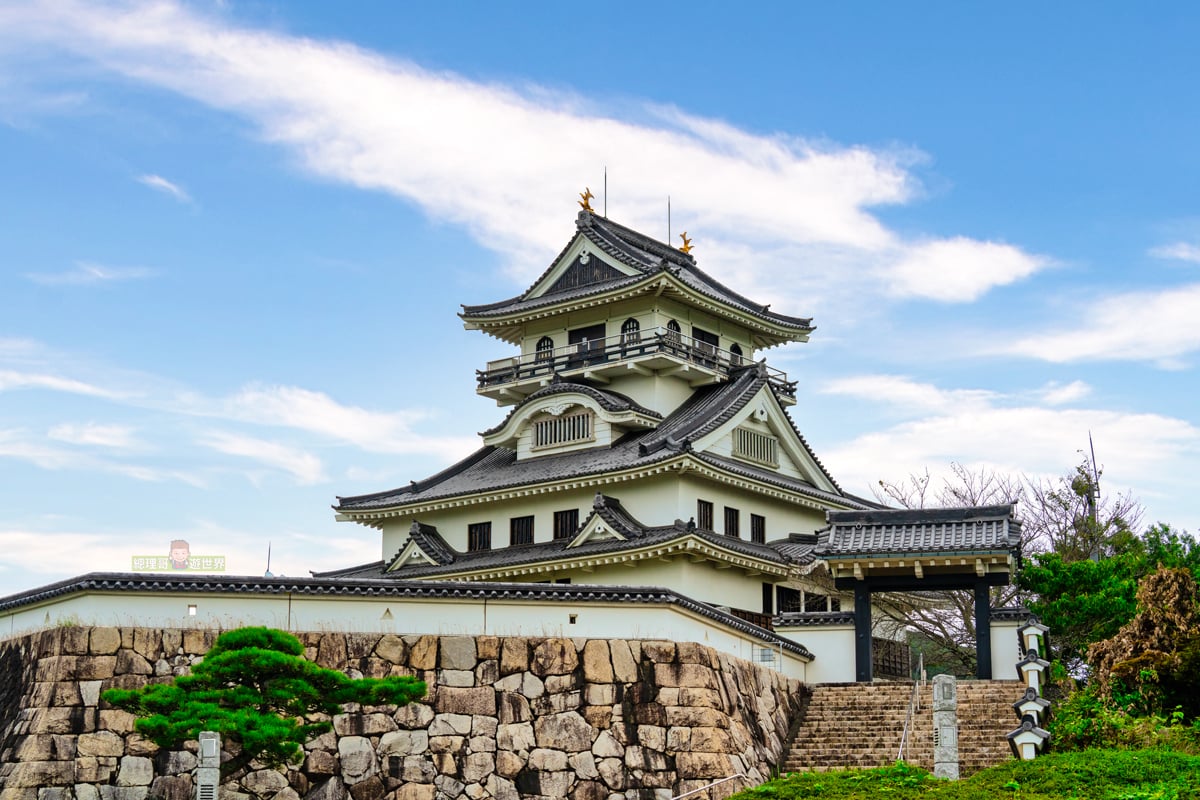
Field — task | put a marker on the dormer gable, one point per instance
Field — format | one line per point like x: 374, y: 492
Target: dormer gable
x: 610, y: 521
x: 761, y: 435
x: 424, y: 546
x: 581, y: 264
x: 566, y: 416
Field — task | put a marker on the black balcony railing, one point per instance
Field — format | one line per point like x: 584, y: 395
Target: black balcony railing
x: 622, y: 347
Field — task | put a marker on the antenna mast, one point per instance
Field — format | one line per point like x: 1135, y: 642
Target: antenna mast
x: 606, y: 191
x: 1095, y: 493
x: 668, y: 219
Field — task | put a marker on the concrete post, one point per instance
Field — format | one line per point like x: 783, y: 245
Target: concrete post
x: 945, y: 727
x: 208, y: 768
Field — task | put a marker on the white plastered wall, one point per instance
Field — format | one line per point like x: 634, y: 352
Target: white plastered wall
x: 1005, y: 650
x: 833, y: 646
x: 401, y: 616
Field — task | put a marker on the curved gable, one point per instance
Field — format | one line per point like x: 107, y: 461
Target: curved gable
x: 761, y: 433
x: 568, y: 416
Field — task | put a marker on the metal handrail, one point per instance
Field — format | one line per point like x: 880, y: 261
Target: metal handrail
x: 617, y: 348
x: 707, y: 787
x: 914, y: 705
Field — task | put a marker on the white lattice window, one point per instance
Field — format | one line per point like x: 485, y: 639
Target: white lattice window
x: 754, y: 446
x: 563, y: 429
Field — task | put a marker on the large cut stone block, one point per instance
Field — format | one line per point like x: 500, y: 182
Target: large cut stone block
x: 567, y: 731
x: 466, y: 701
x: 135, y: 771
x: 514, y: 655
x: 554, y: 657
x: 623, y: 662
x: 597, y: 664
x: 102, y: 743
x: 422, y: 652
x: 458, y: 652
x: 104, y: 641
x: 357, y: 758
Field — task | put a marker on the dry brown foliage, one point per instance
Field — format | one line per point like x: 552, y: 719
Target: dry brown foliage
x: 1151, y: 644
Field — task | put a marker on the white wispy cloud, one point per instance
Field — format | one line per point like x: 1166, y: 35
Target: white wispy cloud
x: 54, y: 549
x: 959, y: 269
x: 304, y: 467
x: 46, y: 453
x: 416, y: 134
x: 1178, y: 251
x: 1056, y: 394
x: 1008, y: 434
x: 59, y: 553
x: 317, y: 412
x: 14, y: 379
x: 1158, y: 326
x: 161, y: 184
x: 86, y: 273
x: 95, y: 435
x: 905, y: 394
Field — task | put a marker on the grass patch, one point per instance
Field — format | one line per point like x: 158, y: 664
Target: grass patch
x: 1083, y: 775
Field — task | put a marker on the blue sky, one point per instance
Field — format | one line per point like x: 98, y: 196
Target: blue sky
x: 235, y: 236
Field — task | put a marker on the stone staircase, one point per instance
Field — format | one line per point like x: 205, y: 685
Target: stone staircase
x: 854, y: 725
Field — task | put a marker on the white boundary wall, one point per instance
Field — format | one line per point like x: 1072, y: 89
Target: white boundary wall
x: 528, y: 617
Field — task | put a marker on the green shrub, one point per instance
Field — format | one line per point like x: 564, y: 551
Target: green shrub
x: 1085, y: 720
x: 1157, y: 774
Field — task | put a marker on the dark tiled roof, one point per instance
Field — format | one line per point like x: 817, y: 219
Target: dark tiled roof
x: 797, y: 548
x: 610, y: 401
x: 768, y: 476
x: 1011, y: 614
x: 705, y: 411
x: 475, y: 592
x: 812, y: 619
x: 636, y: 536
x: 431, y: 543
x: 649, y: 257
x: 927, y: 530
x: 495, y: 468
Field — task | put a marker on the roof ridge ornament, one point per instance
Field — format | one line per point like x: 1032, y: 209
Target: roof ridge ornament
x: 585, y: 200
x: 686, y: 247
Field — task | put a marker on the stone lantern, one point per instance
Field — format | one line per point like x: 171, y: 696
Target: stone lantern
x: 1032, y: 635
x: 1031, y: 668
x: 1032, y: 705
x: 1028, y: 740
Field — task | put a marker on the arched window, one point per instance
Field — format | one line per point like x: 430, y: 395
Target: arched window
x: 631, y: 331
x: 545, y: 349
x: 735, y: 355
x: 674, y: 332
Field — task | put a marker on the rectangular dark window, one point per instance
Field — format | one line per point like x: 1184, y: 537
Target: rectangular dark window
x: 566, y: 523
x: 768, y: 598
x: 710, y: 340
x: 520, y: 530
x: 704, y: 515
x: 816, y: 602
x: 707, y: 345
x: 758, y: 528
x: 789, y: 599
x: 732, y: 519
x: 479, y: 536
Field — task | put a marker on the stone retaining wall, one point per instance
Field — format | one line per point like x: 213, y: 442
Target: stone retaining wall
x: 504, y: 717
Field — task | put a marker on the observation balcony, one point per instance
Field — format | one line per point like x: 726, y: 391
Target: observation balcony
x: 659, y: 352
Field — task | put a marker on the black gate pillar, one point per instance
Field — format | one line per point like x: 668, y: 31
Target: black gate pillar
x: 862, y: 633
x: 983, y: 631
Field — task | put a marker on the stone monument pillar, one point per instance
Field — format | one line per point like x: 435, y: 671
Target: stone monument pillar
x: 945, y: 727
x: 208, y: 767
